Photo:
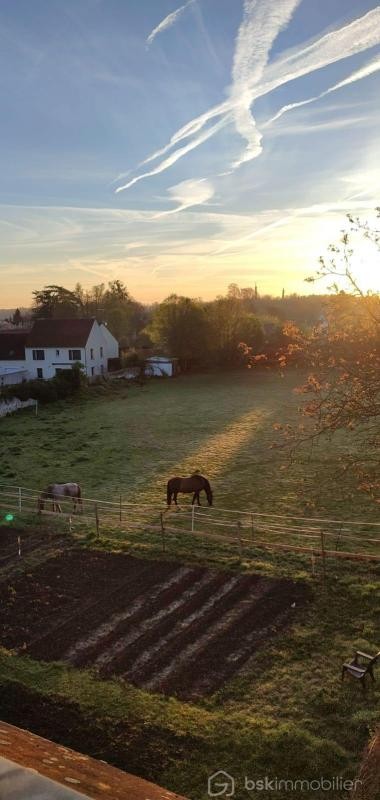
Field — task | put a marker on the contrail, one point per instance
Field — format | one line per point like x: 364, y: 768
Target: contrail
x: 166, y: 23
x: 252, y: 77
x: 168, y: 162
x: 358, y: 75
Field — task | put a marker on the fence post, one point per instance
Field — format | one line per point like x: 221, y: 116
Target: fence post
x: 163, y: 532
x: 239, y: 538
x: 323, y: 554
x: 19, y: 498
x: 19, y: 545
x: 192, y: 518
x: 120, y: 508
x: 97, y: 520
x: 338, y: 539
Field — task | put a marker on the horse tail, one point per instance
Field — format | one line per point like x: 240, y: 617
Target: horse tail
x: 208, y: 491
x: 169, y: 492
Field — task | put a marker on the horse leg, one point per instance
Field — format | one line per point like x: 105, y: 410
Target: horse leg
x: 175, y: 498
x: 193, y: 498
x: 198, y: 499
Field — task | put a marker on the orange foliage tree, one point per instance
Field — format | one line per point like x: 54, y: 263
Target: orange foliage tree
x: 342, y: 358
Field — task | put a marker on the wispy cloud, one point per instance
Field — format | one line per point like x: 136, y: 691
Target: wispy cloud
x: 168, y: 162
x: 189, y: 193
x: 168, y: 22
x: 317, y: 127
x: 358, y: 75
x: 253, y: 77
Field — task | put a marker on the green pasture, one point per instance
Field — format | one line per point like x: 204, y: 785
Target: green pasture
x: 129, y: 441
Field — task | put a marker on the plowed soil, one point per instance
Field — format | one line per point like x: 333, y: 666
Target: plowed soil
x: 164, y: 626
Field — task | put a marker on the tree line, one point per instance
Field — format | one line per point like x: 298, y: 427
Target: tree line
x: 199, y: 333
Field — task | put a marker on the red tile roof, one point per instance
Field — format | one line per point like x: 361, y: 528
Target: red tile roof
x: 12, y: 345
x: 60, y: 333
x: 88, y: 777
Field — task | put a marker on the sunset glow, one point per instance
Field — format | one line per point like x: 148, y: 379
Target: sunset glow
x: 184, y: 147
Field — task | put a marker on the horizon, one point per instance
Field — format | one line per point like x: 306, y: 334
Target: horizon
x: 185, y: 147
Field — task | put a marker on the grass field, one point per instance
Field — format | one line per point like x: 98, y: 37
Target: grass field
x: 286, y: 715
x: 130, y: 442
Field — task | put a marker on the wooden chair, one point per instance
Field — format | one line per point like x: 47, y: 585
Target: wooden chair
x: 361, y: 665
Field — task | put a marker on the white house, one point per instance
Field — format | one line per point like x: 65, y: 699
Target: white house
x: 57, y: 344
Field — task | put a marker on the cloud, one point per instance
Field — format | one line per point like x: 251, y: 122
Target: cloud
x: 358, y: 75
x: 261, y: 24
x: 168, y: 162
x: 317, y: 127
x: 168, y: 22
x: 189, y: 193
x: 253, y: 77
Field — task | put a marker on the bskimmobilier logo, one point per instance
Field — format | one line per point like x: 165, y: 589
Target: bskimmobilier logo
x: 221, y: 784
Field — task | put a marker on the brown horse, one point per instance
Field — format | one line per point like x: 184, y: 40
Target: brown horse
x: 193, y: 485
x: 60, y: 491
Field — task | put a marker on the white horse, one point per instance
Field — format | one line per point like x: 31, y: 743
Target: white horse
x: 57, y: 492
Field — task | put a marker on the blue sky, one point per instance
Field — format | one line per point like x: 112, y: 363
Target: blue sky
x: 258, y: 120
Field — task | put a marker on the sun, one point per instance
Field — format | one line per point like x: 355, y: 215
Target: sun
x: 365, y: 265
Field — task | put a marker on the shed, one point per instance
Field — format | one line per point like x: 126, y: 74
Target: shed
x: 11, y: 375
x: 162, y: 366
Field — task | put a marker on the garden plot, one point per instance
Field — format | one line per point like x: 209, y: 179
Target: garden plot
x: 164, y: 626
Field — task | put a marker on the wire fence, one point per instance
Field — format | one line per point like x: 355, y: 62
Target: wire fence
x: 316, y: 539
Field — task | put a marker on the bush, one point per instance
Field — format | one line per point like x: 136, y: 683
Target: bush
x: 65, y: 384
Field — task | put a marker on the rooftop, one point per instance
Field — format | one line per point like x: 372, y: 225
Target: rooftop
x: 60, y: 332
x: 36, y: 768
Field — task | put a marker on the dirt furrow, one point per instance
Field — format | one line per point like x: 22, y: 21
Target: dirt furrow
x: 220, y: 656
x: 130, y: 645
x: 54, y: 642
x: 207, y: 628
x: 103, y: 637
x: 167, y: 647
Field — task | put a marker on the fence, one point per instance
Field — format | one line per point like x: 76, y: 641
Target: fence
x: 316, y: 539
x: 14, y: 404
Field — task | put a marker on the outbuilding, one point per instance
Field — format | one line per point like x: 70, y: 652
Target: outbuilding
x: 161, y: 366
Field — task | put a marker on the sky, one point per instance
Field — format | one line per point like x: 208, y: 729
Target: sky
x: 184, y: 147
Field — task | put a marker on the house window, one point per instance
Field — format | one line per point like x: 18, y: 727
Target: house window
x: 74, y: 355
x: 92, y: 370
x: 92, y: 353
x: 57, y: 352
x: 101, y: 352
x: 40, y: 373
x: 38, y: 355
